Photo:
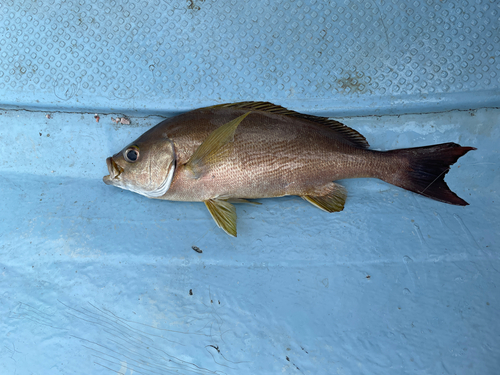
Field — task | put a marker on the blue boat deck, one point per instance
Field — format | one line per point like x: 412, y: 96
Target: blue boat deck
x: 99, y: 280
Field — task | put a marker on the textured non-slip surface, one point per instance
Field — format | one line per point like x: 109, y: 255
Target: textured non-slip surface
x: 154, y: 56
x: 96, y: 280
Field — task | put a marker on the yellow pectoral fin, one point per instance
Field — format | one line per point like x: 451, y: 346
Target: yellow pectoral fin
x: 332, y: 201
x: 224, y: 215
x: 212, y: 149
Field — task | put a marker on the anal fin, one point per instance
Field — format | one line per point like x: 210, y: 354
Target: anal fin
x: 224, y: 214
x: 329, y: 198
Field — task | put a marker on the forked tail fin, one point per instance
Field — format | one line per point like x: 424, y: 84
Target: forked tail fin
x: 425, y: 170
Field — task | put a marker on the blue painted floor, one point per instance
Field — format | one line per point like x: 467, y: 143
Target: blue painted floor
x: 99, y: 280
x: 96, y: 280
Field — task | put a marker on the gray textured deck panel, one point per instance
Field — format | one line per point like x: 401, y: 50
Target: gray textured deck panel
x: 342, y: 57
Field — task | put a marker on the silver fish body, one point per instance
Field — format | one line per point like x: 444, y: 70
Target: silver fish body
x: 234, y: 152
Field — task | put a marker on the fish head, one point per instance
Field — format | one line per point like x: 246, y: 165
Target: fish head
x: 146, y: 166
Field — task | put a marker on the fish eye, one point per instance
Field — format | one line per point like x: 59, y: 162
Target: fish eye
x: 131, y: 154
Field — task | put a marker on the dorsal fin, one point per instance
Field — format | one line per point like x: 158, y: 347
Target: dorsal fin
x: 347, y: 133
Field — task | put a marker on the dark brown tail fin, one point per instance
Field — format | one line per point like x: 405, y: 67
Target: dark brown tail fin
x: 427, y: 167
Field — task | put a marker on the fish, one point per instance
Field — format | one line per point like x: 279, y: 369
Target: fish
x: 237, y: 152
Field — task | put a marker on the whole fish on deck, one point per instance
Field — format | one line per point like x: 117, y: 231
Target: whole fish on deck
x: 233, y: 152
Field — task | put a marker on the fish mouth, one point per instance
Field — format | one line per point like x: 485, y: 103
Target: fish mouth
x: 114, y: 171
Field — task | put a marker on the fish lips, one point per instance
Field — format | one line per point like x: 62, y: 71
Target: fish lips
x: 114, y: 172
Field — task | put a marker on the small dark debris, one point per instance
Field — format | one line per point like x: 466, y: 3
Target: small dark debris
x: 288, y: 359
x: 216, y: 347
x: 197, y: 249
x: 488, y: 303
x: 219, y: 302
x: 304, y: 350
x: 190, y: 292
x: 191, y: 5
x: 368, y: 276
